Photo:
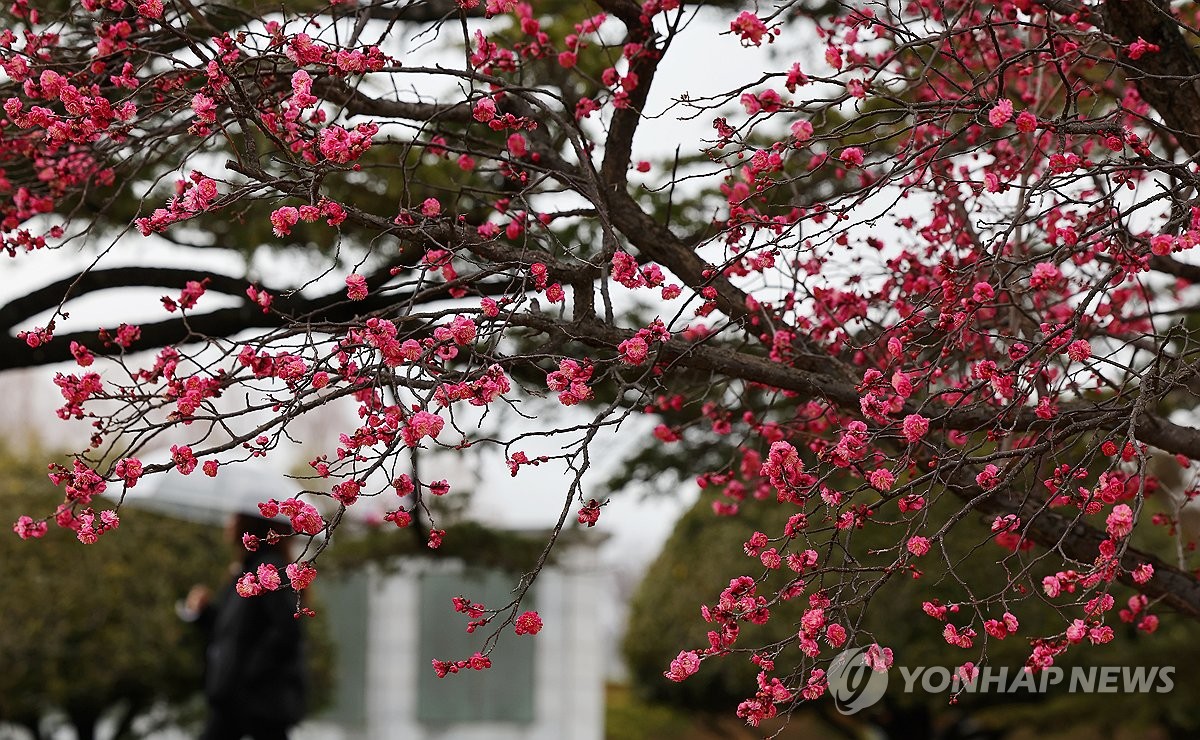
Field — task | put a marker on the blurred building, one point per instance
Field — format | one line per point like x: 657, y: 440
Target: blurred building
x: 388, y: 626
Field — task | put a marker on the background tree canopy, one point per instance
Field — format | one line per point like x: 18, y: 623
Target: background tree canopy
x: 94, y: 632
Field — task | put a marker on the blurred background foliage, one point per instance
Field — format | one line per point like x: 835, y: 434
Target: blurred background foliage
x: 89, y: 635
x: 703, y: 554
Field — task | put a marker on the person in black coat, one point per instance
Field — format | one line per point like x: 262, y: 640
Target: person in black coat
x: 255, y: 680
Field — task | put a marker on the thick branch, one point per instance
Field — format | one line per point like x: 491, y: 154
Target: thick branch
x: 1191, y: 273
x: 358, y: 103
x: 618, y: 146
x: 417, y: 11
x: 55, y: 294
x: 1169, y: 79
x: 293, y: 310
x: 1077, y: 541
x: 1150, y: 429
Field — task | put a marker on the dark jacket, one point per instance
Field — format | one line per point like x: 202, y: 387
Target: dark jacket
x: 254, y: 662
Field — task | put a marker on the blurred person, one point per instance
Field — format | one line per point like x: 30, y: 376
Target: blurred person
x: 255, y: 681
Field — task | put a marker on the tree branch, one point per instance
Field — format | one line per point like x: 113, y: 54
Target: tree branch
x: 361, y: 104
x: 59, y: 292
x: 1169, y: 79
x: 285, y: 311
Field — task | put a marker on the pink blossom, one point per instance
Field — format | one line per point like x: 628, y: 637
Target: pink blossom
x: 685, y: 664
x: 1120, y: 522
x: 771, y: 559
x: 129, y: 469
x: 484, y: 110
x: 1001, y: 113
x: 833, y: 57
x: 399, y: 517
x: 589, y: 514
x: 1140, y: 47
x: 882, y: 479
x: 356, y: 287
x: 529, y: 623
x: 878, y: 658
x: 26, y: 528
x: 1003, y: 627
x: 989, y: 478
x: 261, y: 297
x: 351, y: 61
x: 795, y: 78
x: 347, y: 492
x: 750, y: 28
x: 268, y: 577
x: 915, y: 427
x: 183, y: 458
x: 625, y: 270
x: 436, y: 537
x: 634, y: 351
x: 812, y: 621
x: 303, y: 50
x: 918, y: 546
x: 304, y: 517
x: 248, y: 586
x: 342, y: 146
x: 1045, y: 275
x: 283, y: 219
x: 420, y: 425
x: 150, y: 8
x: 203, y: 106
x: 517, y: 146
x: 1052, y: 586
x: 1076, y: 631
x: 835, y: 634
x: 802, y: 130
x: 815, y: 687
x: 570, y: 382
x: 1162, y: 244
x: 967, y: 672
x: 127, y: 334
x: 963, y: 638
x: 1006, y: 523
x: 852, y: 156
x: 83, y: 356
x: 462, y: 330
x: 1079, y: 350
x: 300, y: 575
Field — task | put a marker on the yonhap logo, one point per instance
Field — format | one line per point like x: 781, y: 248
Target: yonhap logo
x: 853, y: 684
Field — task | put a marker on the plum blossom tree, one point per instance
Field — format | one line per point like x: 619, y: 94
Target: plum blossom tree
x: 933, y: 270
